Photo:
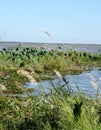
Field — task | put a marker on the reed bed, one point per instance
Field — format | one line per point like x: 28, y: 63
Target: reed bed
x: 60, y: 109
x: 39, y: 62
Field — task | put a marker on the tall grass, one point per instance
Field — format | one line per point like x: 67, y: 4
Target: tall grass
x: 42, y: 62
x: 58, y: 110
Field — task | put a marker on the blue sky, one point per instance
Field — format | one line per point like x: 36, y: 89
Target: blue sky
x: 68, y: 21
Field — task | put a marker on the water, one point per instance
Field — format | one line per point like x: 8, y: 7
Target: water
x: 92, y: 48
x: 82, y: 81
x: 88, y: 82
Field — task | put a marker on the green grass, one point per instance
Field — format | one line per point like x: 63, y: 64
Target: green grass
x: 61, y: 109
x: 42, y: 63
x: 58, y: 110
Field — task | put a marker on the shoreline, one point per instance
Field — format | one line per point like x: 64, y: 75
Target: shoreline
x: 92, y: 48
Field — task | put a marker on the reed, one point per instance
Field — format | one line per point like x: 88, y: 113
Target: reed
x: 56, y: 110
x: 94, y: 83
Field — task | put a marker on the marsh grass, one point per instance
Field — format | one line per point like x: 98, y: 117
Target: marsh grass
x: 94, y: 83
x: 42, y: 62
x: 60, y: 109
x: 57, y: 110
x: 52, y: 113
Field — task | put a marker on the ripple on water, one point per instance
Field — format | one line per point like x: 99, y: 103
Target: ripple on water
x: 81, y: 81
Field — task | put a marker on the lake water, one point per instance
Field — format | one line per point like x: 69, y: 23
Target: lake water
x: 92, y: 48
x: 87, y: 82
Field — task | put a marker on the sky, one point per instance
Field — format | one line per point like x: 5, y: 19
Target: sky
x: 67, y: 21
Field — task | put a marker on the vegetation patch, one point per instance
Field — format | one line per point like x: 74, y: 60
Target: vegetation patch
x: 58, y: 110
x: 40, y: 64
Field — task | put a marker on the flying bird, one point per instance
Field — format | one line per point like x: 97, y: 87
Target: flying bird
x: 46, y: 32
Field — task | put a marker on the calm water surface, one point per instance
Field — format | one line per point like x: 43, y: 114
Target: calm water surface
x: 92, y: 48
x: 82, y: 81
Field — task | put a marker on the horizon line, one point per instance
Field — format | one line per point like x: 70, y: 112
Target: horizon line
x: 47, y: 42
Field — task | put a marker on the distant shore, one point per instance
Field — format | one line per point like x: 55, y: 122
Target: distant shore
x: 92, y: 48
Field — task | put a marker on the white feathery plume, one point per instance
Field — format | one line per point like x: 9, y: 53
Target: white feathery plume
x: 58, y: 74
x: 93, y: 81
x: 46, y: 32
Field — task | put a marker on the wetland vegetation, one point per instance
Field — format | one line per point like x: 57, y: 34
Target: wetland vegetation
x: 40, y: 64
x: 58, y: 110
x: 61, y: 108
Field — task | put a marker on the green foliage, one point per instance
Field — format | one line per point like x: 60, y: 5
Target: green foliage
x: 22, y: 64
x: 77, y: 110
x: 53, y: 111
x: 13, y: 81
x: 42, y: 62
x: 58, y: 110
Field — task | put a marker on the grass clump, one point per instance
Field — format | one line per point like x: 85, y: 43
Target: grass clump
x: 60, y: 109
x: 13, y: 81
